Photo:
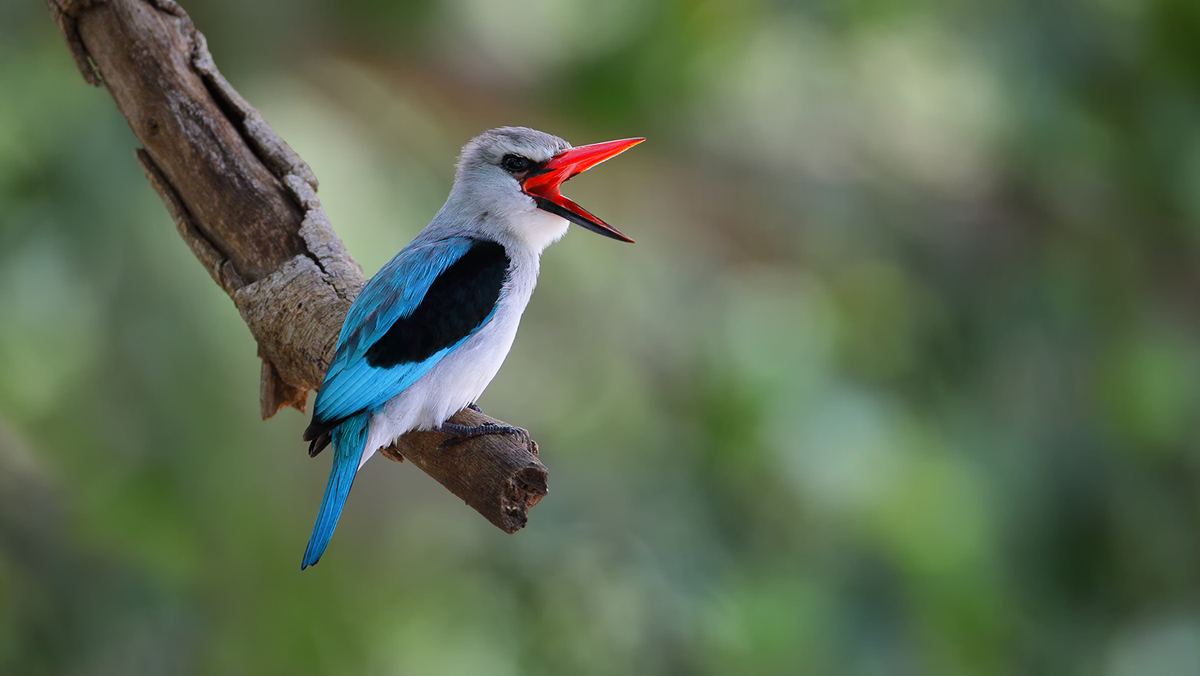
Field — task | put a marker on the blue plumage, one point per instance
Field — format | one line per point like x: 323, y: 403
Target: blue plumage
x: 351, y: 384
x: 354, y: 389
x: 429, y: 332
x: 348, y: 441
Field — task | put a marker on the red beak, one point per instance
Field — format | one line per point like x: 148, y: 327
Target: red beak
x: 543, y: 185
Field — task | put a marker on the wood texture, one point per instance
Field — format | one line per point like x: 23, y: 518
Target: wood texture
x: 246, y: 205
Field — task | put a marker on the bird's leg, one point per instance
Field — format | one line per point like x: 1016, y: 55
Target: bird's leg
x: 461, y: 433
x: 474, y: 407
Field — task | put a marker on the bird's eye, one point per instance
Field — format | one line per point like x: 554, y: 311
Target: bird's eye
x: 516, y: 163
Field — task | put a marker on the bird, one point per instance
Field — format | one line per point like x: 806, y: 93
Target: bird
x: 430, y: 330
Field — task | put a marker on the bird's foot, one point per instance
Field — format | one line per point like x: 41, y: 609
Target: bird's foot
x: 474, y: 407
x: 461, y: 433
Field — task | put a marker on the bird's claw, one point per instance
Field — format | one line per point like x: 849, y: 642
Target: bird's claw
x: 461, y: 433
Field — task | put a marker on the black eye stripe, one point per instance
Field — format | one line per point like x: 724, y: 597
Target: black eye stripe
x: 516, y: 163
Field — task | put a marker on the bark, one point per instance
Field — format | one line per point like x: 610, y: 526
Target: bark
x: 247, y: 207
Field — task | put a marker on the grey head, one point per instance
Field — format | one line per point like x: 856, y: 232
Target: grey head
x: 506, y: 188
x: 489, y: 153
x: 487, y: 199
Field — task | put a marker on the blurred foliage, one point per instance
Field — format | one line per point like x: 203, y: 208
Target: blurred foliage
x: 901, y: 377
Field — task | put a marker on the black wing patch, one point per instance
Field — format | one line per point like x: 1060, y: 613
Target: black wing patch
x: 456, y: 304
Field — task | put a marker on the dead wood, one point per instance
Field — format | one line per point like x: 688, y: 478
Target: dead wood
x: 246, y: 205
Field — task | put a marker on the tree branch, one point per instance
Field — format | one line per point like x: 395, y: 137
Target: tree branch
x: 247, y: 207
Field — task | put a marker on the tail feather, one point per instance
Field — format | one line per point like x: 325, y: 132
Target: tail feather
x: 319, y: 444
x: 349, y: 438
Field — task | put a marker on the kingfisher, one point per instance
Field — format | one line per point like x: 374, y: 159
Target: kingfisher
x: 429, y: 332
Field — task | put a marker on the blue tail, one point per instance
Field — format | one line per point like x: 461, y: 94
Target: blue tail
x: 349, y: 438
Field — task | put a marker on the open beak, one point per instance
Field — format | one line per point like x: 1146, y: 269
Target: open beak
x: 543, y: 185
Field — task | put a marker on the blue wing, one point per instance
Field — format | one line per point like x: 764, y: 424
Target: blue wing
x: 397, y: 307
x: 421, y: 306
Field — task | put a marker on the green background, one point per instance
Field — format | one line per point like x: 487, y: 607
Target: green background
x: 901, y: 377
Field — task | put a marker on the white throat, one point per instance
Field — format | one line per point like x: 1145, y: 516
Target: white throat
x: 538, y: 229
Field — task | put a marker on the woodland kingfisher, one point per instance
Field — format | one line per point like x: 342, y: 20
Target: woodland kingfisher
x: 429, y: 332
